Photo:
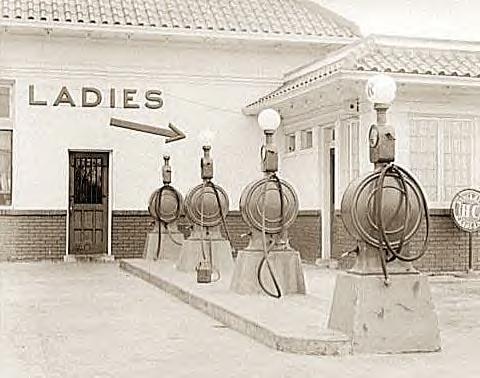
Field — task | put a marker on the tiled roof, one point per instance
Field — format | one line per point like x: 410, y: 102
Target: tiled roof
x: 372, y: 56
x: 420, y: 61
x: 260, y: 17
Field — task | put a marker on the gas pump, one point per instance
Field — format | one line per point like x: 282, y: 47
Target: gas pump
x: 269, y: 206
x: 383, y: 303
x: 165, y: 207
x: 206, y: 251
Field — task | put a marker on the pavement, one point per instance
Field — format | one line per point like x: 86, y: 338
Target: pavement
x: 94, y: 320
x: 296, y: 323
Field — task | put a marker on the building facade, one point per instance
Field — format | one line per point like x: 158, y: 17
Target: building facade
x: 436, y: 118
x: 72, y: 184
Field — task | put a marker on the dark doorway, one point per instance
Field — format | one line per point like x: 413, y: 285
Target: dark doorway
x: 88, y: 203
x: 332, y: 194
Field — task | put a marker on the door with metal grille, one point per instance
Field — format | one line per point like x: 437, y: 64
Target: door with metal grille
x: 88, y: 203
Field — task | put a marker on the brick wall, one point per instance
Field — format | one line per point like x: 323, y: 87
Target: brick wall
x: 306, y: 235
x: 342, y: 242
x: 447, y: 249
x: 32, y: 234
x: 129, y: 230
x: 41, y: 234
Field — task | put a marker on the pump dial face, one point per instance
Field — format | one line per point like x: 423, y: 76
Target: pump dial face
x: 373, y: 136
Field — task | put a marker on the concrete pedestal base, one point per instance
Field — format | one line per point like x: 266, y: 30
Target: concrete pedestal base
x: 191, y: 252
x: 469, y: 274
x: 89, y: 258
x: 385, y: 319
x: 169, y: 249
x: 286, y: 266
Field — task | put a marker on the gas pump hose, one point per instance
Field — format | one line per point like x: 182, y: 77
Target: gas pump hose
x: 267, y: 249
x: 222, y: 215
x: 158, y: 210
x: 210, y: 254
x: 386, y: 245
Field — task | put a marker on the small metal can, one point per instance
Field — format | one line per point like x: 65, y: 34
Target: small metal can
x: 204, y: 272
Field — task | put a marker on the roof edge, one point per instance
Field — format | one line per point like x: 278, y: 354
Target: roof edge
x: 384, y: 40
x: 107, y: 31
x: 348, y: 75
x: 326, y: 60
x: 337, y: 17
x: 421, y: 42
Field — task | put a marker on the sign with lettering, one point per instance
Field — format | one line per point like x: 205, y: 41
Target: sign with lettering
x: 465, y: 210
x: 91, y: 97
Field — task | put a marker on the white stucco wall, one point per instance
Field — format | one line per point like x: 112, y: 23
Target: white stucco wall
x: 302, y: 171
x: 203, y: 87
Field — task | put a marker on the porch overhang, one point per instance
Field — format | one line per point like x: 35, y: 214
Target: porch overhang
x: 408, y: 61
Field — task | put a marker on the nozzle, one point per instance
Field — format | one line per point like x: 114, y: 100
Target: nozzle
x: 206, y: 164
x: 381, y: 110
x: 166, y: 170
x: 206, y: 150
x: 269, y: 154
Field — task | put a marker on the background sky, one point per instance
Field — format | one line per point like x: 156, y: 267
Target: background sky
x: 444, y: 19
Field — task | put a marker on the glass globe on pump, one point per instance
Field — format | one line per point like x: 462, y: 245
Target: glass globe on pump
x: 381, y: 89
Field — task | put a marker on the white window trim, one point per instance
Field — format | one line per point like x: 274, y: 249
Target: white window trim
x: 298, y: 142
x: 8, y: 124
x: 286, y: 143
x: 355, y: 120
x: 302, y: 133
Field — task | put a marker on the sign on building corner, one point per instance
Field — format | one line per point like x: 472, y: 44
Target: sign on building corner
x: 465, y: 210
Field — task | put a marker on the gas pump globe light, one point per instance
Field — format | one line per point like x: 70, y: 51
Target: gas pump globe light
x: 269, y: 119
x: 207, y: 136
x: 381, y: 89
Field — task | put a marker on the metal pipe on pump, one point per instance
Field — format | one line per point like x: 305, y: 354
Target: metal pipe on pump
x: 384, y: 209
x: 383, y: 303
x: 269, y: 206
x: 206, y: 205
x: 165, y: 207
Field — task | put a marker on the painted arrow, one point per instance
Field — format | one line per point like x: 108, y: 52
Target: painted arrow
x: 172, y: 133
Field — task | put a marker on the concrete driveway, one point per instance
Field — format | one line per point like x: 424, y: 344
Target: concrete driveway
x: 94, y: 320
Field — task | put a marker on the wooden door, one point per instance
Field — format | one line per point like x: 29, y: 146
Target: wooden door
x: 88, y: 203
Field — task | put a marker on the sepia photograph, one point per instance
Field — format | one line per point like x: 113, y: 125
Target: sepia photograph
x: 239, y: 188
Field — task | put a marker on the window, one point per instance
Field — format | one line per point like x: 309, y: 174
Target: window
x: 306, y: 139
x: 5, y: 167
x: 352, y: 129
x: 6, y: 136
x: 290, y: 144
x: 4, y: 102
x: 441, y: 153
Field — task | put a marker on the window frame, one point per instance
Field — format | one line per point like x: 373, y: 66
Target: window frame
x: 11, y: 168
x: 440, y: 185
x: 9, y: 88
x: 352, y: 130
x: 303, y: 139
x: 7, y: 124
x: 288, y: 138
